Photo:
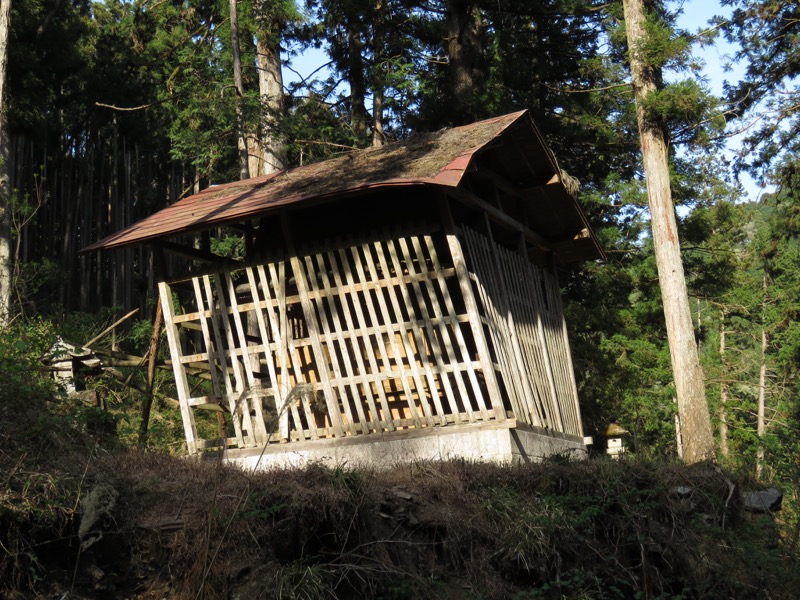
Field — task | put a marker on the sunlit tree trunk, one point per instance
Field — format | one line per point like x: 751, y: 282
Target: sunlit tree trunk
x: 761, y: 420
x: 723, y: 391
x: 377, y: 79
x: 5, y: 183
x: 270, y: 88
x: 241, y: 137
x: 698, y: 440
x: 358, y: 88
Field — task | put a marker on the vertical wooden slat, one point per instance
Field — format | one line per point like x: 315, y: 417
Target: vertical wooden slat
x: 410, y: 364
x: 351, y: 257
x: 331, y: 293
x: 282, y: 332
x: 262, y: 328
x: 569, y: 370
x: 383, y: 325
x: 530, y: 308
x: 494, y: 295
x: 458, y: 349
x: 518, y: 278
x: 313, y: 330
x: 332, y: 341
x: 214, y: 353
x: 559, y: 424
x: 241, y: 403
x: 436, y: 350
x: 416, y: 333
x: 347, y: 299
x: 216, y: 322
x: 251, y: 390
x: 473, y: 310
x: 181, y: 382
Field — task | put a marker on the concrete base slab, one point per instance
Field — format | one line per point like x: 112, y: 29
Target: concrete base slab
x: 498, y: 442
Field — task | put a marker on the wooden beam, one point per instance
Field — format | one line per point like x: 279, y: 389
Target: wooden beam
x: 503, y: 183
x: 195, y: 254
x: 500, y: 218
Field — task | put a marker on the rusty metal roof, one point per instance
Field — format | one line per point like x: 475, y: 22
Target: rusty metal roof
x: 439, y: 159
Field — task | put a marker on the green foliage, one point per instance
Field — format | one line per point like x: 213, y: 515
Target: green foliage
x: 25, y: 386
x: 229, y: 246
x: 767, y: 33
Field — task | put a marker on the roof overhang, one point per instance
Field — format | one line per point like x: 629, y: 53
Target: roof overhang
x: 511, y: 145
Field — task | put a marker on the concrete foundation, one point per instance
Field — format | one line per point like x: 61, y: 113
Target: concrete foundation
x: 503, y: 443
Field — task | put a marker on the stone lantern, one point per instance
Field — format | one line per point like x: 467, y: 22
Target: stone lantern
x: 615, y: 445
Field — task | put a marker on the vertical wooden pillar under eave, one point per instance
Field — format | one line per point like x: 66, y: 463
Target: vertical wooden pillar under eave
x: 313, y: 333
x: 471, y: 304
x: 570, y: 368
x: 181, y: 382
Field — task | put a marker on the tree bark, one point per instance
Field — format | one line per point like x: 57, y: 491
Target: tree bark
x: 723, y: 392
x: 464, y: 51
x: 241, y: 142
x: 5, y: 182
x: 377, y: 80
x: 358, y: 88
x: 761, y: 420
x: 698, y: 440
x: 270, y: 88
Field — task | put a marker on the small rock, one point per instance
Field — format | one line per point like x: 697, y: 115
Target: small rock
x: 682, y: 491
x: 401, y: 494
x: 762, y: 501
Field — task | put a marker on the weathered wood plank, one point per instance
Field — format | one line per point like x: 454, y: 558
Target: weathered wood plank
x: 181, y: 381
x: 409, y: 362
x: 416, y: 334
x: 456, y: 253
x: 354, y: 353
x: 226, y: 371
x: 371, y: 336
x: 331, y: 341
x: 494, y: 298
x: 313, y: 329
x: 238, y: 411
x: 452, y: 335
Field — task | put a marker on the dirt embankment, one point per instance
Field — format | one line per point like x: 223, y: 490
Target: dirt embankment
x: 126, y: 524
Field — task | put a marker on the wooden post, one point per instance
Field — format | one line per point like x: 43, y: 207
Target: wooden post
x: 462, y: 273
x: 181, y: 382
x: 313, y: 332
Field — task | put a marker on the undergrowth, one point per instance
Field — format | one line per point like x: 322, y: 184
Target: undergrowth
x: 164, y: 527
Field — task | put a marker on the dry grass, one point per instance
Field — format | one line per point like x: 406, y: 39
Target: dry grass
x: 598, y: 529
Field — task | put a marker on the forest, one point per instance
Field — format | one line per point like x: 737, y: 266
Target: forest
x: 114, y: 109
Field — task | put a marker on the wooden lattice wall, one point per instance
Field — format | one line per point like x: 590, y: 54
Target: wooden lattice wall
x: 372, y: 335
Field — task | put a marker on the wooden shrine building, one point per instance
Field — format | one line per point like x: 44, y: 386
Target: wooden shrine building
x: 393, y: 303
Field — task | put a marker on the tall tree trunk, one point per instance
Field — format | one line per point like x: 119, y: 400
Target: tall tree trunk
x: 241, y: 137
x: 378, y: 137
x: 761, y: 420
x: 463, y: 50
x: 270, y: 89
x: 723, y: 391
x: 377, y: 80
x: 698, y: 440
x: 358, y: 88
x: 5, y: 183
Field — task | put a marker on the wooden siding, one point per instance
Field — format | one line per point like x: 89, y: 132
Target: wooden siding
x: 399, y: 330
x: 521, y: 305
